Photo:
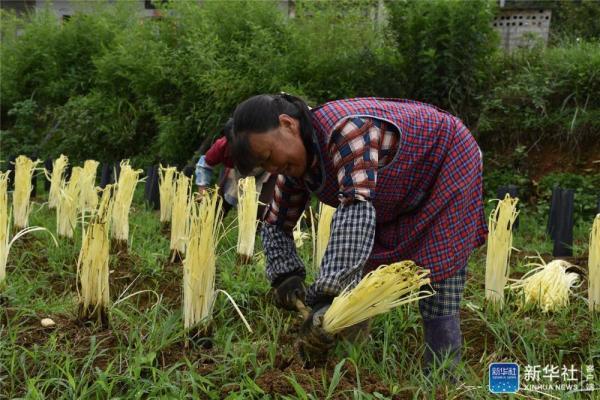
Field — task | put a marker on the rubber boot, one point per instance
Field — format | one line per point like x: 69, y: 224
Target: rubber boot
x: 443, y: 338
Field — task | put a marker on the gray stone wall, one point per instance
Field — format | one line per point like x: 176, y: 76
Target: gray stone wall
x: 522, y: 28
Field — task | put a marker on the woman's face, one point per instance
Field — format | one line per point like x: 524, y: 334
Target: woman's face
x: 280, y: 150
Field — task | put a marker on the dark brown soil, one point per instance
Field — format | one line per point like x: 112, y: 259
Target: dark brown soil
x: 118, y: 247
x: 175, y: 258
x: 275, y: 381
x: 242, y: 259
x: 543, y: 160
x: 71, y: 333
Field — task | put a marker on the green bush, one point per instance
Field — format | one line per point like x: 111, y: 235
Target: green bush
x: 27, y: 131
x: 575, y: 19
x: 336, y: 51
x: 545, y: 94
x: 447, y: 47
x: 102, y: 128
x: 110, y: 84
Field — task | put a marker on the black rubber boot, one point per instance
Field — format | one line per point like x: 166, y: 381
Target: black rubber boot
x: 443, y: 338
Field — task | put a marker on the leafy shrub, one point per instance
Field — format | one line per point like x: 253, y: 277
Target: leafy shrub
x: 111, y: 84
x: 102, y: 128
x: 447, y: 47
x: 338, y: 51
x: 545, y: 94
x: 27, y: 131
x: 575, y: 19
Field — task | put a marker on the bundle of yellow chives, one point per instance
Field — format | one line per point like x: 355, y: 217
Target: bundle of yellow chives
x: 499, y: 247
x: 92, y: 264
x: 66, y: 212
x: 4, y: 225
x: 128, y: 179
x: 24, y: 169
x: 59, y: 167
x: 88, y: 199
x: 378, y: 292
x: 5, y: 243
x: 199, y: 266
x: 167, y: 192
x: 323, y: 231
x: 247, y: 222
x: 180, y: 219
x: 547, y: 285
x: 594, y: 266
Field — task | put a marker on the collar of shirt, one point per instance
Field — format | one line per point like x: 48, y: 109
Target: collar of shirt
x: 314, y: 176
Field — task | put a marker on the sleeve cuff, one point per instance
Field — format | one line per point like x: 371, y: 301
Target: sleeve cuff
x: 349, y: 247
x: 204, y: 172
x: 280, y: 250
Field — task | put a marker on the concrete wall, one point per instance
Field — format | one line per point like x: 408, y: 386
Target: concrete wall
x: 64, y: 8
x: 517, y: 27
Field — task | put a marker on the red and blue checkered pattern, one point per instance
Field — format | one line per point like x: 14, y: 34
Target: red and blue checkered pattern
x: 428, y: 200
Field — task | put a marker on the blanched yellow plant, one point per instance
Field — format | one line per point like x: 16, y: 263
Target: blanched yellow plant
x: 128, y: 179
x: 88, y: 199
x: 66, y: 212
x: 247, y: 222
x: 24, y: 170
x: 499, y: 247
x: 594, y: 266
x: 180, y: 220
x: 199, y: 266
x: 166, y: 190
x: 5, y: 241
x: 548, y: 285
x: 323, y: 232
x: 93, y: 262
x: 59, y: 167
x: 4, y: 224
x: 378, y: 292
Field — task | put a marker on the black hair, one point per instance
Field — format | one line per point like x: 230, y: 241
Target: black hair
x: 227, y: 130
x: 259, y: 114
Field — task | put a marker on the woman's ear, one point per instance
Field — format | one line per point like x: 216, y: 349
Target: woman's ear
x: 290, y: 123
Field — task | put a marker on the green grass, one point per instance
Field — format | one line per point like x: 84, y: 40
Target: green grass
x: 142, y: 355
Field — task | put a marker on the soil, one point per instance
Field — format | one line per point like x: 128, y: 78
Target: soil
x: 242, y: 259
x: 71, y: 333
x: 118, y: 247
x: 175, y: 258
x: 165, y: 229
x: 540, y: 160
x: 123, y: 274
x: 275, y: 381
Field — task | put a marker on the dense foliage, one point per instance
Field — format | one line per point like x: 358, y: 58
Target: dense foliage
x: 110, y: 84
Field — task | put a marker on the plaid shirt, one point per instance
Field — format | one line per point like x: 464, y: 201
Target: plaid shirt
x: 358, y: 146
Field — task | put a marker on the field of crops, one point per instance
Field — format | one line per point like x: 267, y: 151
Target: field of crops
x: 143, y: 353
